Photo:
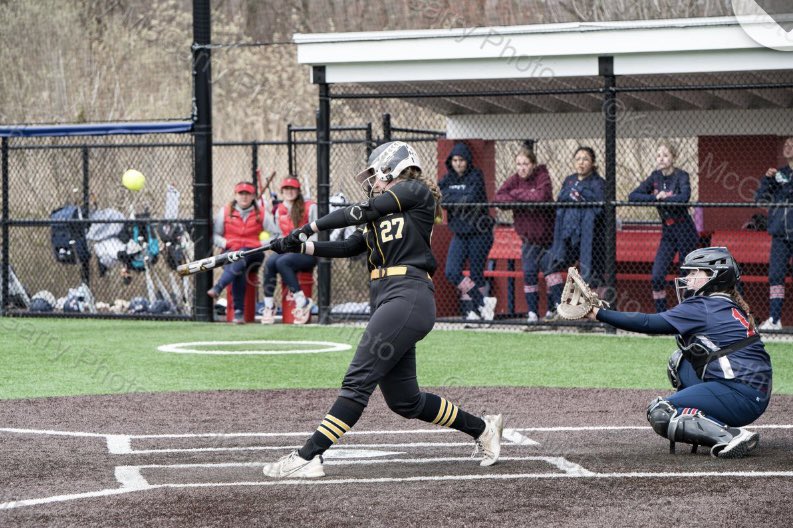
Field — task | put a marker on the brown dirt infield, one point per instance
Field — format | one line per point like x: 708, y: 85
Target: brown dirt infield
x: 625, y: 477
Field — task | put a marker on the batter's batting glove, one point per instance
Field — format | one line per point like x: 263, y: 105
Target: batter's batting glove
x: 287, y: 245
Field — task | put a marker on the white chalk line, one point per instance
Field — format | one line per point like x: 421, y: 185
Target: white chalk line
x: 180, y: 348
x: 131, y: 479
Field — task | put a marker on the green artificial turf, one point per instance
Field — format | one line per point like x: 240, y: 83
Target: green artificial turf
x: 57, y: 357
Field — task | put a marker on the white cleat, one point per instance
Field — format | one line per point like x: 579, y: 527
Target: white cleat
x: 292, y: 466
x: 738, y: 447
x: 488, y: 308
x: 302, y: 315
x: 489, y: 442
x: 769, y: 324
x: 268, y: 316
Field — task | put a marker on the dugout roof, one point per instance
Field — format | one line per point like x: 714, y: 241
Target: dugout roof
x: 648, y: 55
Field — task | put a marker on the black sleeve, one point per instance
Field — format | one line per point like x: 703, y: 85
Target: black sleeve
x: 401, y: 197
x: 636, y: 322
x: 354, y: 245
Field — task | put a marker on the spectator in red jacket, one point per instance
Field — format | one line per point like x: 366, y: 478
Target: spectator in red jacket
x: 238, y: 226
x: 530, y: 183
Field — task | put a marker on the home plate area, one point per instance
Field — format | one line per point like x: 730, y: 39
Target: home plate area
x: 197, y: 458
x: 403, y: 455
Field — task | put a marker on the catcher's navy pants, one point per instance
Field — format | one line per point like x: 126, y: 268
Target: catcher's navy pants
x: 731, y: 402
x: 403, y: 312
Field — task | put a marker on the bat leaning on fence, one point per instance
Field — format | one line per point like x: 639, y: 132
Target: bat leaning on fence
x: 197, y: 266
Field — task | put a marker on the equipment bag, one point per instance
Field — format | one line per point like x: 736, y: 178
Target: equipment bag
x: 68, y: 240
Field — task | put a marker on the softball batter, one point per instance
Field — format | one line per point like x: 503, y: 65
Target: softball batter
x: 395, y: 227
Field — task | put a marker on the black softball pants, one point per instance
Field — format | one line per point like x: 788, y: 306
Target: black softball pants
x: 403, y: 313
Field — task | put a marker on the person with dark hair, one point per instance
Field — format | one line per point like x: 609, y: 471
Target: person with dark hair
x: 395, y: 227
x: 668, y: 185
x: 721, y: 370
x: 238, y: 226
x: 291, y: 212
x: 777, y: 187
x: 472, y: 229
x: 530, y: 183
x: 576, y: 229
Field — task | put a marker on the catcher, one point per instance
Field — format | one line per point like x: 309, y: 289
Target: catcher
x: 721, y: 370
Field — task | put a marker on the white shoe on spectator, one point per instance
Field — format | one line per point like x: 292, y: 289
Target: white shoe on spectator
x: 770, y: 324
x: 532, y: 318
x: 472, y: 316
x: 268, y: 316
x: 551, y: 315
x: 303, y: 314
x: 488, y: 308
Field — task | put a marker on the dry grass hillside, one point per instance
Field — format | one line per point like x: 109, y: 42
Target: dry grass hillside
x: 100, y: 60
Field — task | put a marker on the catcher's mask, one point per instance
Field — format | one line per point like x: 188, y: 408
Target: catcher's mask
x: 723, y: 272
x: 386, y: 163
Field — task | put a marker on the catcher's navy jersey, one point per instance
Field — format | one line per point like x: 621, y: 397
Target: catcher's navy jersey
x: 402, y: 235
x: 719, y: 319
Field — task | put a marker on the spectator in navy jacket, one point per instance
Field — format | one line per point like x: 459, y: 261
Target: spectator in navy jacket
x: 472, y: 229
x: 577, y: 230
x: 777, y: 187
x: 534, y: 225
x: 668, y: 185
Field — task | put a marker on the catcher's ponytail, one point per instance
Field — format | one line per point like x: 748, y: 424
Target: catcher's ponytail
x: 740, y: 301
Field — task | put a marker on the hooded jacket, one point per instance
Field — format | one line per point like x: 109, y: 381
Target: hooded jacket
x: 533, y: 225
x: 677, y: 182
x: 778, y: 189
x: 461, y: 189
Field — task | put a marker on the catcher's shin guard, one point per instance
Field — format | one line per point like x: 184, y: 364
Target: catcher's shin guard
x: 693, y: 427
x: 659, y: 413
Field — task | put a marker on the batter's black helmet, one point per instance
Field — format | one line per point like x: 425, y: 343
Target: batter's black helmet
x: 718, y: 260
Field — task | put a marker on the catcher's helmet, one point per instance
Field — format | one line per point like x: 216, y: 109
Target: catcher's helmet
x: 724, y: 271
x: 386, y: 162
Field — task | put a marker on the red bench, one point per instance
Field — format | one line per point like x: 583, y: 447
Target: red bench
x: 635, y: 249
x: 751, y: 249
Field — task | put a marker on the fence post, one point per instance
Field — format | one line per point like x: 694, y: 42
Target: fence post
x: 610, y: 114
x: 290, y: 143
x: 386, y: 128
x: 323, y: 187
x: 202, y: 128
x: 254, y: 165
x: 369, y: 140
x: 85, y: 266
x: 5, y: 267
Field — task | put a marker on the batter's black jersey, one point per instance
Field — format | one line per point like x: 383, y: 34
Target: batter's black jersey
x: 395, y: 228
x: 402, y: 235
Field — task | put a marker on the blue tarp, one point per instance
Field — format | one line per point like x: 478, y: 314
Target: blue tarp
x: 97, y: 129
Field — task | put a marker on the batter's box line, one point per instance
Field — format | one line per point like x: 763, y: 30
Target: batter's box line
x: 122, y: 444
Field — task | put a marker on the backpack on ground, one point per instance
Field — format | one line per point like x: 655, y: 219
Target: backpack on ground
x: 68, y: 240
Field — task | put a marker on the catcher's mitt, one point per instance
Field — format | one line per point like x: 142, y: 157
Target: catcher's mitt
x: 577, y: 297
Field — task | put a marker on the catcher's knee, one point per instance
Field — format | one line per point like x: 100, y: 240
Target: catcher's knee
x: 659, y: 413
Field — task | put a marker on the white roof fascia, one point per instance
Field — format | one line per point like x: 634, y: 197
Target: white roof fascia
x: 679, y: 123
x: 491, y: 47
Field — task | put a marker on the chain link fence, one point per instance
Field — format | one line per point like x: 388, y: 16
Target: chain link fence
x: 76, y: 242
x: 620, y: 181
x: 688, y: 162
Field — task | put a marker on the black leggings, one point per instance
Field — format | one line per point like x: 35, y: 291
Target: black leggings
x: 404, y: 312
